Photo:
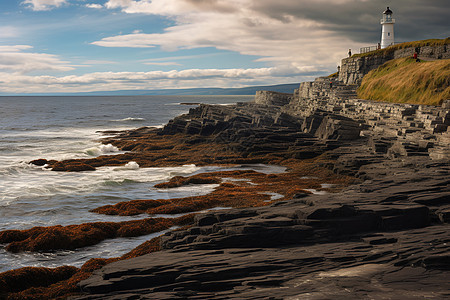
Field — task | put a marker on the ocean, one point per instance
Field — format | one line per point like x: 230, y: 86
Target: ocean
x: 70, y: 127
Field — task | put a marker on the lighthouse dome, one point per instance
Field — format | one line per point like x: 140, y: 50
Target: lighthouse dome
x: 387, y: 11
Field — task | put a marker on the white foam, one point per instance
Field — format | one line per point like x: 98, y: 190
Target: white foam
x: 130, y: 119
x: 132, y: 165
x: 101, y: 150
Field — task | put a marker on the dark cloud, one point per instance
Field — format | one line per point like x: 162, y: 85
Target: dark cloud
x: 360, y: 19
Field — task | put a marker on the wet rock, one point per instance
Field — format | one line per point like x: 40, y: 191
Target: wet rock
x: 40, y: 162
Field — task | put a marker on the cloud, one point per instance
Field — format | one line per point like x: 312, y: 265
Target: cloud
x: 94, y: 5
x: 98, y: 62
x: 14, y: 59
x: 8, y: 32
x: 100, y: 81
x: 296, y: 32
x: 39, y: 5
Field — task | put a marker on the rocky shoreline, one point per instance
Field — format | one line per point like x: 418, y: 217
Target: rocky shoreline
x: 383, y: 238
x: 362, y: 210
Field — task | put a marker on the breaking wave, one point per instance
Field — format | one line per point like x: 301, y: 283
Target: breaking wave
x: 101, y: 150
x: 130, y: 119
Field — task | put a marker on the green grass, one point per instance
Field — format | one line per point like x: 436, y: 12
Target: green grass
x: 391, y: 49
x: 406, y: 81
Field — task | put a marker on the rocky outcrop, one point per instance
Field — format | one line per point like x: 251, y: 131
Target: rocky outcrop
x: 391, y: 228
x: 386, y: 235
x: 392, y: 128
x: 272, y: 98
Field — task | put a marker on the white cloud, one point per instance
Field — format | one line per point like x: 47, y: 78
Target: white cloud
x: 14, y: 59
x: 39, y: 5
x: 98, y: 62
x: 94, y: 5
x: 235, y: 25
x: 8, y: 32
x: 100, y: 81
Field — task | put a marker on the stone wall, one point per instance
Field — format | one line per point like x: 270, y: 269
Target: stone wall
x: 393, y: 129
x: 272, y: 98
x: 353, y: 69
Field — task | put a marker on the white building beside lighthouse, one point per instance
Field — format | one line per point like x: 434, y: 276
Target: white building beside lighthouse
x: 387, y: 29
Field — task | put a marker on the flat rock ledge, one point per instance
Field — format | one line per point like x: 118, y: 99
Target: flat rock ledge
x: 385, y: 238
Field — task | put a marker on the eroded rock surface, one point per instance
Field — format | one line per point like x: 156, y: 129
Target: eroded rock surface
x: 384, y: 238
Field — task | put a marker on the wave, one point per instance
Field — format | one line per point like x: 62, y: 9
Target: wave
x: 132, y: 165
x: 158, y: 126
x: 119, y: 182
x: 102, y: 149
x: 130, y: 119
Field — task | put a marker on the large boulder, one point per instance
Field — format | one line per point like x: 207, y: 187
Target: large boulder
x: 334, y: 127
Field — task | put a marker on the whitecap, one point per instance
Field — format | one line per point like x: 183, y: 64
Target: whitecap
x: 132, y: 165
x: 130, y: 119
x: 101, y: 150
x: 158, y: 126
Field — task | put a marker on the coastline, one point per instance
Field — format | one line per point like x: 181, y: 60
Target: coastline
x: 380, y: 212
x: 387, y: 233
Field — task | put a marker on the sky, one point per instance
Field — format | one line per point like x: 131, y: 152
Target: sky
x: 54, y: 46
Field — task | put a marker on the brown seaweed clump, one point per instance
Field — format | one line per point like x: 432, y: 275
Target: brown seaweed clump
x: 25, y: 278
x: 45, y: 283
x: 87, y: 234
x: 246, y: 188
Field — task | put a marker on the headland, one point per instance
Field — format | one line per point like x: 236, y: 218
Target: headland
x: 361, y: 211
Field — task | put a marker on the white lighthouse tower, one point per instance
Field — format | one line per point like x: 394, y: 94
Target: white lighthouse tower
x: 387, y: 29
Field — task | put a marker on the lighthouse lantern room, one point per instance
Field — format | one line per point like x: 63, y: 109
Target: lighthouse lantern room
x: 387, y: 29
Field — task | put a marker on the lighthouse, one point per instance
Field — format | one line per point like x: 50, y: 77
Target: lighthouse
x: 387, y: 29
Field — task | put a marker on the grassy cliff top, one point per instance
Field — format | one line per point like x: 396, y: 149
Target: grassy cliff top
x: 390, y: 49
x: 406, y: 81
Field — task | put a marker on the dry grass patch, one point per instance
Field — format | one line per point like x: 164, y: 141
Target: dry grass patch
x: 406, y: 81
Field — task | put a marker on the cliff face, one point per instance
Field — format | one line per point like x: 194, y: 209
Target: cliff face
x: 273, y: 98
x: 354, y: 68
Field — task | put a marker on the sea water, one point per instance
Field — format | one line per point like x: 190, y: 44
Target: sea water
x: 70, y: 127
